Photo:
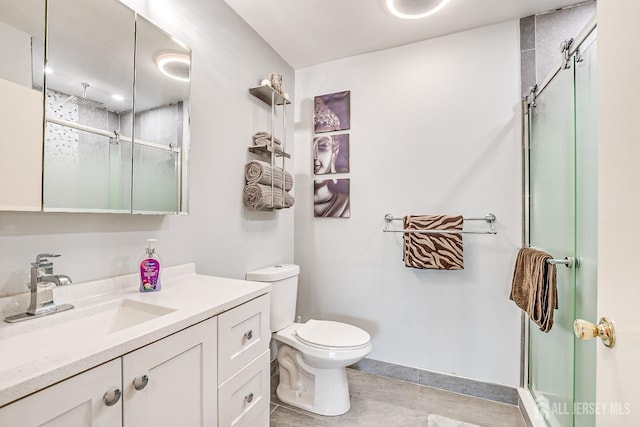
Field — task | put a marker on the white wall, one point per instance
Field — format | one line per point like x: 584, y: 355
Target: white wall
x: 435, y: 129
x: 220, y: 235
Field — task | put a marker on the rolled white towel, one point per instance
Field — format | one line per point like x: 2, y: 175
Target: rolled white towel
x: 259, y: 172
x: 259, y: 196
x: 264, y: 136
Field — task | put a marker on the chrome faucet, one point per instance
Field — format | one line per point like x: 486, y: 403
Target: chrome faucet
x: 42, y: 303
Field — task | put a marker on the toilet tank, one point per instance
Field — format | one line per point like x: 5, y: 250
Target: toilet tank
x: 284, y: 282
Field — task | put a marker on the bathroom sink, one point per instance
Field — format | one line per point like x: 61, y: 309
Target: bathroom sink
x: 121, y: 314
x: 36, y: 338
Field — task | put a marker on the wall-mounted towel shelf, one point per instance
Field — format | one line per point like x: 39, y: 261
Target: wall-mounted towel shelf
x: 258, y: 194
x: 489, y: 218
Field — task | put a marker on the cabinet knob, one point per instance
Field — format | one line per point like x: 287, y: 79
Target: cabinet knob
x: 112, y: 396
x: 140, y: 382
x: 248, y: 335
x: 249, y: 397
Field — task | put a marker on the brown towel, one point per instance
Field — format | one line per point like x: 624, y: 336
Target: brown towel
x: 534, y: 287
x: 430, y: 250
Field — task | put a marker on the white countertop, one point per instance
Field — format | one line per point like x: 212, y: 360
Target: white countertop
x: 192, y: 297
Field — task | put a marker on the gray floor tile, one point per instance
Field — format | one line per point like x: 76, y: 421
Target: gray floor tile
x: 378, y: 401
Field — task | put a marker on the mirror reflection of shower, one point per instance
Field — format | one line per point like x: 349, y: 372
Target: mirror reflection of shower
x: 102, y: 152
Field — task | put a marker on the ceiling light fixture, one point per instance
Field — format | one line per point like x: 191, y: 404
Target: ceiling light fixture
x: 117, y: 97
x: 415, y: 9
x: 174, y: 65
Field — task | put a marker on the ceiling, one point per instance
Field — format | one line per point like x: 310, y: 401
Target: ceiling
x: 309, y: 32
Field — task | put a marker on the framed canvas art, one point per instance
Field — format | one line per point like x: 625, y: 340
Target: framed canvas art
x: 331, y: 198
x: 332, y: 112
x: 331, y: 154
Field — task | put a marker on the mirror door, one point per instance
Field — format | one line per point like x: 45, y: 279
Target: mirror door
x: 22, y: 32
x: 161, y: 119
x: 88, y: 108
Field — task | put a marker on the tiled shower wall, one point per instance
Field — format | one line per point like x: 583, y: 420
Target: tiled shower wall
x: 540, y: 38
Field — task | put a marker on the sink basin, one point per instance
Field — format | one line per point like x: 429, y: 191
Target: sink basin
x: 120, y: 315
x: 36, y: 338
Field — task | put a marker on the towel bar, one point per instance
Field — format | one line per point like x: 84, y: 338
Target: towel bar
x: 567, y: 261
x: 490, y: 218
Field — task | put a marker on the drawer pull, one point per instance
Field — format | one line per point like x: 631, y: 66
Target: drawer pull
x: 249, y: 397
x: 248, y: 335
x: 140, y: 382
x: 111, y: 396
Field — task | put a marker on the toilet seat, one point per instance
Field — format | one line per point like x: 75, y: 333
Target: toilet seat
x: 329, y: 334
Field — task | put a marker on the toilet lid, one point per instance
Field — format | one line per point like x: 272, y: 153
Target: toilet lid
x: 332, y: 334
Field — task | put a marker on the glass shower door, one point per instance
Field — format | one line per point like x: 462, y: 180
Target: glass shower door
x: 563, y: 222
x: 586, y: 226
x: 552, y: 229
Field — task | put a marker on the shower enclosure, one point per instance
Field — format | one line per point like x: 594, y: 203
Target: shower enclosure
x: 561, y: 178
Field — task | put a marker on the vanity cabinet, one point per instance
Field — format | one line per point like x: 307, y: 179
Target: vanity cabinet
x: 214, y: 373
x: 180, y: 389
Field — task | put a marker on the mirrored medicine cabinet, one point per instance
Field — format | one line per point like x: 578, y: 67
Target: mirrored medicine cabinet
x: 95, y: 110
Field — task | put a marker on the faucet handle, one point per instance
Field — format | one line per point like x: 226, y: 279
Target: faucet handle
x: 43, y: 263
x: 43, y: 257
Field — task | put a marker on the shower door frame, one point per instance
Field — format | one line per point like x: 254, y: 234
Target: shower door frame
x: 528, y: 102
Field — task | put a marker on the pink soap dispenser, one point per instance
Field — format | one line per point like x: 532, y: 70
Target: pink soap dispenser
x: 150, y: 265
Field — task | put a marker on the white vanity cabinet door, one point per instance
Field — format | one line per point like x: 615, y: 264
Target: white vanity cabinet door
x: 181, y: 388
x: 243, y: 334
x: 75, y: 402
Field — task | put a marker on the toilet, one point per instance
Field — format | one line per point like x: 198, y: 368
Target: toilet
x: 312, y: 355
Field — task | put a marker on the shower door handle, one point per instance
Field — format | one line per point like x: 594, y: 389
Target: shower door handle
x: 586, y: 330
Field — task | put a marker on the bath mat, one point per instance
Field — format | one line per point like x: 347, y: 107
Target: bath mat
x: 440, y: 421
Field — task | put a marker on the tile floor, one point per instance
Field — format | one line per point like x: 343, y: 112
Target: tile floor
x: 380, y: 402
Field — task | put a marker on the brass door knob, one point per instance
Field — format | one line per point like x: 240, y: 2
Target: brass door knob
x: 586, y: 330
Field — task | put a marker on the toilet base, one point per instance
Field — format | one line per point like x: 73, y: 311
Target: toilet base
x: 317, y: 390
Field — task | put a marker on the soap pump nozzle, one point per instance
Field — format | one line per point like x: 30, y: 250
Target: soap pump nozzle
x: 150, y: 248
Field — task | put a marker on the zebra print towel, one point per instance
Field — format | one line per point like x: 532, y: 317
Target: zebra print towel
x: 431, y: 250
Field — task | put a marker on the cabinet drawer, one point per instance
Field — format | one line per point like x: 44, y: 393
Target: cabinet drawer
x: 244, y: 399
x: 243, y: 334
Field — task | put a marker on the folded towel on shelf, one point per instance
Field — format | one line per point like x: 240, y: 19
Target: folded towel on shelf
x: 430, y: 250
x: 259, y: 172
x: 265, y: 136
x: 260, y: 196
x: 534, y: 286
